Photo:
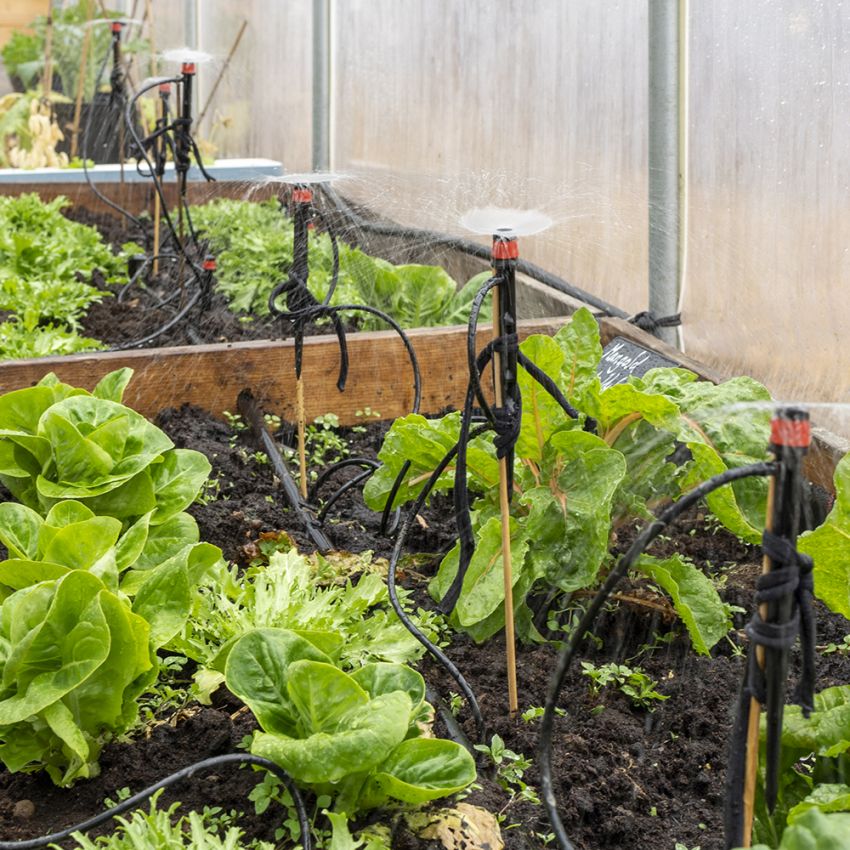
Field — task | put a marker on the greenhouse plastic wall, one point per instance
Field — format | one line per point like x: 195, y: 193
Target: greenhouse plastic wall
x: 440, y: 106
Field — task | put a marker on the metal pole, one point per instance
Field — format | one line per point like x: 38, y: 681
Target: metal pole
x: 664, y: 165
x: 321, y: 84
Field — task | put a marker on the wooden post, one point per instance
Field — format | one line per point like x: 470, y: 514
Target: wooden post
x: 81, y: 80
x: 302, y: 430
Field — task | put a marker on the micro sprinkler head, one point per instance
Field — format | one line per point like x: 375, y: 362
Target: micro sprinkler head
x: 117, y: 26
x: 505, y: 248
x: 164, y: 89
x: 302, y: 195
x: 790, y: 428
x: 188, y: 69
x: 209, y: 264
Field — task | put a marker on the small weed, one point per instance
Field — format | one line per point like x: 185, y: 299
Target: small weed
x: 537, y: 711
x: 510, y: 769
x: 121, y: 794
x: 831, y: 648
x: 456, y: 703
x: 236, y: 424
x: 631, y: 681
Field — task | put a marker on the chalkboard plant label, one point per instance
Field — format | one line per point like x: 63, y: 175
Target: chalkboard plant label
x: 622, y: 359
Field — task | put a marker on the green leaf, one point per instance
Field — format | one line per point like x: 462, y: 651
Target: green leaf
x: 256, y: 672
x: 827, y: 731
x: 322, y: 694
x: 382, y: 678
x: 541, y: 414
x: 829, y: 546
x: 365, y: 736
x: 815, y: 830
x: 177, y: 480
x: 424, y: 442
x: 694, y: 596
x: 19, y: 530
x: 826, y: 797
x: 164, y: 600
x: 579, y: 341
x: 483, y: 591
x: 112, y: 386
x: 419, y: 770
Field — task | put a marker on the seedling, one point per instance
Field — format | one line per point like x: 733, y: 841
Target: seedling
x: 631, y: 681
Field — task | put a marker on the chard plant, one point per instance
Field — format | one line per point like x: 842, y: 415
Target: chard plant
x: 253, y: 243
x: 813, y: 806
x: 355, y: 738
x: 657, y: 437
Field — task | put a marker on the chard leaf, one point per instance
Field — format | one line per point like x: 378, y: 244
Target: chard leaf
x: 541, y: 414
x: 483, y: 590
x: 827, y: 731
x: 569, y: 516
x: 419, y: 770
x: 814, y: 830
x: 825, y: 797
x: 829, y: 546
x: 579, y: 381
x: 425, y: 442
x: 694, y: 596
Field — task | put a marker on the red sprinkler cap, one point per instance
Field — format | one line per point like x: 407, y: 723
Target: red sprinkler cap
x: 302, y: 196
x: 505, y: 248
x: 188, y: 68
x: 116, y: 26
x: 786, y: 430
x: 209, y: 264
x: 165, y: 88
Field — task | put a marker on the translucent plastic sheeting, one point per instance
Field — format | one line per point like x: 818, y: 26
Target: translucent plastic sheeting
x: 442, y: 106
x: 768, y: 282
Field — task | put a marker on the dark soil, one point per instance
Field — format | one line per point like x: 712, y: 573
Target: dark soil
x: 137, y: 312
x: 625, y: 776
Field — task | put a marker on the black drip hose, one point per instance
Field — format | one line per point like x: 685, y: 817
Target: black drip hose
x: 435, y: 651
x: 186, y: 773
x: 85, y: 148
x: 585, y: 625
x: 475, y: 250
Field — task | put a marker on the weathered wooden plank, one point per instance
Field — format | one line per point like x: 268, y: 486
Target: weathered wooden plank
x: 211, y: 376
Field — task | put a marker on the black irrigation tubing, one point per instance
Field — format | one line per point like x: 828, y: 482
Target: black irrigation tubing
x: 585, y: 625
x: 474, y: 249
x: 471, y: 334
x: 186, y: 773
x: 128, y: 118
x: 328, y: 471
x: 435, y: 651
x: 341, y: 491
x: 179, y: 316
x: 318, y: 310
x: 85, y: 149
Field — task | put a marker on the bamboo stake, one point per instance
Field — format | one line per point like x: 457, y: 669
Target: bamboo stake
x: 752, y: 760
x: 505, y: 510
x: 81, y: 80
x: 302, y: 431
x: 222, y: 71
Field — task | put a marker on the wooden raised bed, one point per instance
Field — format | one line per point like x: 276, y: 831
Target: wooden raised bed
x: 380, y: 377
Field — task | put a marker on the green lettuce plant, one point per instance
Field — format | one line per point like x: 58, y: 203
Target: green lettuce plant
x: 356, y: 737
x: 74, y: 657
x: 573, y: 489
x: 351, y: 622
x: 61, y: 443
x: 45, y: 262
